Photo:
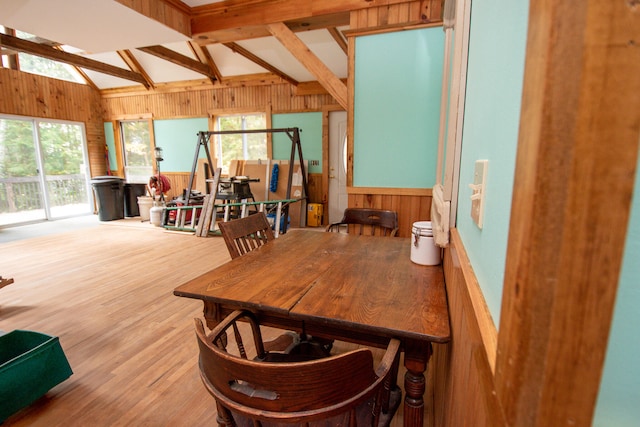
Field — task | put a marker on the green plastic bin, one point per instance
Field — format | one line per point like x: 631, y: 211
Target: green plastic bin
x: 31, y: 363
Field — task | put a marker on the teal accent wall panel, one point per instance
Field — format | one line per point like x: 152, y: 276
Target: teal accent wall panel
x: 310, y: 125
x: 398, y: 84
x: 111, y: 145
x: 178, y: 139
x: 492, y: 116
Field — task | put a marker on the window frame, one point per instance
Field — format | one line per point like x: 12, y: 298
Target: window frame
x: 119, y: 142
x: 214, y: 115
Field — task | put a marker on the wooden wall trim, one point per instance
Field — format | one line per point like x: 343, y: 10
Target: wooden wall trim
x: 391, y: 191
x: 392, y: 28
x: 481, y: 313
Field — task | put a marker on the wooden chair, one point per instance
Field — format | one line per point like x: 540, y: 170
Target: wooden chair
x: 246, y: 234
x: 376, y: 222
x: 250, y: 389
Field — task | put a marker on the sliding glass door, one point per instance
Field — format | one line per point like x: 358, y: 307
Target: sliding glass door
x: 43, y: 170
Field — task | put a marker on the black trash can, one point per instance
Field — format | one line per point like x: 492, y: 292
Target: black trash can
x: 109, y: 197
x: 131, y: 193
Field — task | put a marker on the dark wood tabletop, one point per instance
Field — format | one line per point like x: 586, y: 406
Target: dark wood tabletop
x: 358, y: 288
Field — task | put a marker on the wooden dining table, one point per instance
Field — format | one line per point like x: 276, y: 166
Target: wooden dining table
x: 359, y: 289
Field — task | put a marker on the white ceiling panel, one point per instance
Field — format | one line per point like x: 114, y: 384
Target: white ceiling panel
x: 232, y: 64
x: 93, y: 26
x: 322, y: 44
x: 105, y: 81
x: 270, y: 50
x: 161, y: 71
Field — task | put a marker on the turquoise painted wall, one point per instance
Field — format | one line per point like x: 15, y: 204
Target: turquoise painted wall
x: 398, y: 81
x: 178, y: 139
x: 492, y: 114
x: 111, y: 146
x: 310, y: 125
x: 619, y: 399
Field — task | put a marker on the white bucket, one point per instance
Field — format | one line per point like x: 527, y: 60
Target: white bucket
x: 423, y: 249
x: 155, y: 214
x: 144, y: 205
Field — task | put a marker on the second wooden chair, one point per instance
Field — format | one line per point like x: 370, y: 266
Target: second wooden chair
x: 246, y: 234
x: 376, y: 222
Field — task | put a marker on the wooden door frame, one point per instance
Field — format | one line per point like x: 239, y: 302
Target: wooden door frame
x: 575, y: 169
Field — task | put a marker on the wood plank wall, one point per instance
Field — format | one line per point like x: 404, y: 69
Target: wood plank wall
x: 461, y: 374
x: 30, y: 95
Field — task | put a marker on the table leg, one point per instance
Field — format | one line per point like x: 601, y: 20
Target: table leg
x: 415, y: 360
x: 210, y: 312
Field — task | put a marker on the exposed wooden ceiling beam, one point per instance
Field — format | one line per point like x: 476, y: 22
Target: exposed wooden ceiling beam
x: 216, y: 20
x: 68, y: 58
x: 256, y: 31
x: 178, y: 59
x: 339, y: 38
x: 203, y: 54
x: 171, y: 13
x: 226, y: 15
x: 80, y: 71
x: 325, y: 76
x: 135, y: 66
x: 250, y: 56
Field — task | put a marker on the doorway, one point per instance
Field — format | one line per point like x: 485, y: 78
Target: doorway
x: 338, y: 198
x: 43, y: 170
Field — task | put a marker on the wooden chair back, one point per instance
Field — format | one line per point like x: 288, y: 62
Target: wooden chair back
x: 249, y: 386
x: 376, y: 222
x: 246, y: 234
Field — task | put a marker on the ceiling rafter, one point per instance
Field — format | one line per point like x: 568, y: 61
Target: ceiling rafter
x: 250, y: 56
x: 131, y: 61
x: 80, y: 71
x: 52, y: 53
x: 301, y: 52
x: 203, y: 54
x: 179, y: 59
x: 339, y: 38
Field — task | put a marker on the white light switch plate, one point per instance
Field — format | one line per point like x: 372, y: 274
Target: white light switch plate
x: 478, y: 191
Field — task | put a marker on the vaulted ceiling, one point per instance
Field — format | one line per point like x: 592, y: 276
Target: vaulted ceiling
x: 132, y: 45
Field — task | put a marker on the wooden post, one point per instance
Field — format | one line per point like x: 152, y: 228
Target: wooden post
x: 575, y: 168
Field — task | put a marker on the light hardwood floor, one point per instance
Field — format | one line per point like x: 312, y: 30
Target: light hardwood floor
x: 106, y: 292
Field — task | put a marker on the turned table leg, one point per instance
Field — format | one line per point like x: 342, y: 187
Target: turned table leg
x: 415, y: 360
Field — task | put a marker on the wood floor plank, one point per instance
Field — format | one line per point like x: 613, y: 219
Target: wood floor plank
x: 107, y: 293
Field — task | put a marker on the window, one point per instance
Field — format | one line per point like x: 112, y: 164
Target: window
x: 137, y: 150
x: 43, y: 170
x: 247, y: 146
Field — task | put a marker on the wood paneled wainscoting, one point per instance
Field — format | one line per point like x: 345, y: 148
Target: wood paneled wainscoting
x: 462, y: 372
x: 411, y: 204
